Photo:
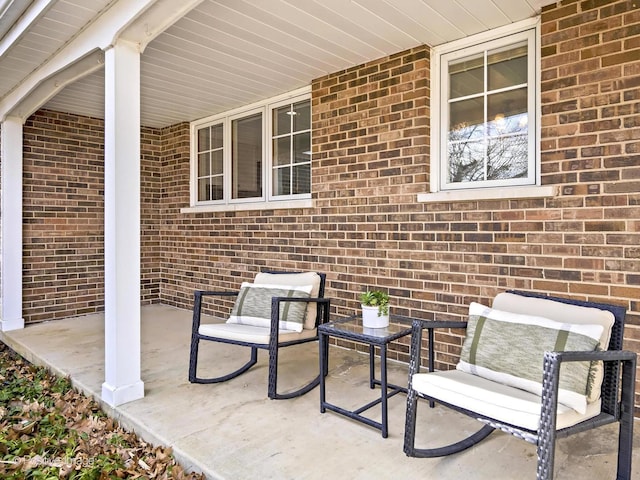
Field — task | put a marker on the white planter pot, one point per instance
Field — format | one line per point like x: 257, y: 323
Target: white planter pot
x: 370, y: 318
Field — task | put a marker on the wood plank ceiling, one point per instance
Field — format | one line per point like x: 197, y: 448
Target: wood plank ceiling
x: 227, y: 53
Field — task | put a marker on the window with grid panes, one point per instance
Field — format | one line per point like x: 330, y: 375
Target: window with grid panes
x: 487, y: 130
x: 232, y: 163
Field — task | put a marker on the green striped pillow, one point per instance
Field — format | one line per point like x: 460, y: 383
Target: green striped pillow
x: 253, y: 305
x: 508, y: 348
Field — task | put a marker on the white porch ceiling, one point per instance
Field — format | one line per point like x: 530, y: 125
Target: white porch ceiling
x: 227, y: 53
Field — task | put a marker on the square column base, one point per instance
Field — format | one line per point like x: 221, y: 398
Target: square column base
x: 115, y: 396
x: 11, y: 324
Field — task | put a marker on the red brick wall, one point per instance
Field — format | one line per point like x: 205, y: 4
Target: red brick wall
x: 590, y: 146
x: 64, y: 216
x: 151, y: 214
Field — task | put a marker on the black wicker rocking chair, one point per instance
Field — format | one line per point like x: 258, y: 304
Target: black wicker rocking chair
x: 270, y: 338
x: 617, y: 396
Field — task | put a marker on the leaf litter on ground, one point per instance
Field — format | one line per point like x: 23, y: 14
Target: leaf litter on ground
x: 49, y: 430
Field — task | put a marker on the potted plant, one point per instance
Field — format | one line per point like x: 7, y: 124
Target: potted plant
x: 375, y: 309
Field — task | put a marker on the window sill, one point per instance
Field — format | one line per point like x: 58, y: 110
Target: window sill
x: 489, y: 194
x: 238, y: 207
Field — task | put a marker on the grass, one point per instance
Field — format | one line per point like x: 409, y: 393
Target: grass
x: 49, y: 430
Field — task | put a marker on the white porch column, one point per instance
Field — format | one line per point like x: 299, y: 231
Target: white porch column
x: 122, y: 224
x: 11, y: 226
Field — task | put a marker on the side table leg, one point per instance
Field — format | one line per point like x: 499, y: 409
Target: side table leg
x: 322, y: 341
x: 372, y: 366
x: 431, y: 366
x: 383, y: 389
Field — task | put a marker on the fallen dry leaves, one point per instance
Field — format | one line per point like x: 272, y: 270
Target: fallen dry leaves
x: 50, y: 430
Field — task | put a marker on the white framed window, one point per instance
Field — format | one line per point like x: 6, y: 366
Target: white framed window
x: 209, y: 154
x: 485, y: 113
x: 291, y: 148
x: 255, y: 156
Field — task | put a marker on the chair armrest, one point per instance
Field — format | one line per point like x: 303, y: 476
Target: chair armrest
x: 417, y: 326
x: 551, y: 379
x: 203, y: 293
x: 323, y: 304
x: 197, y: 305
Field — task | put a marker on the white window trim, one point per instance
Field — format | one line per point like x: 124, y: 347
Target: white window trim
x: 229, y: 204
x: 525, y: 191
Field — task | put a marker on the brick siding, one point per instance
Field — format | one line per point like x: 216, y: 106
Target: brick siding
x: 64, y: 216
x: 370, y: 159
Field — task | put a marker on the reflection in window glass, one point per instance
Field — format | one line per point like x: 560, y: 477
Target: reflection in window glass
x: 466, y: 119
x: 507, y: 157
x: 466, y: 162
x: 466, y: 76
x: 507, y: 112
x: 507, y: 67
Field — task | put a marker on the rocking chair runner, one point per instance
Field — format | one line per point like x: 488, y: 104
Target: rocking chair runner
x: 538, y: 419
x: 274, y: 330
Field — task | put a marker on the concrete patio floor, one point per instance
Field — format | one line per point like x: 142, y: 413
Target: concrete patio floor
x: 233, y: 431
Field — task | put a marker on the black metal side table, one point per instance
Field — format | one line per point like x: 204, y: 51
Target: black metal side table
x: 351, y: 329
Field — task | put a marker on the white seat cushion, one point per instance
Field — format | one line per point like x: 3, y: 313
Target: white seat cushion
x: 251, y: 333
x: 495, y: 400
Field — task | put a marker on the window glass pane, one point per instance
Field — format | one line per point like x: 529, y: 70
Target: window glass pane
x: 203, y: 190
x: 466, y: 76
x: 204, y: 166
x: 466, y: 162
x: 246, y: 155
x: 282, y: 120
x: 216, y: 162
x: 507, y: 157
x: 203, y: 139
x: 216, y: 136
x: 217, y: 188
x: 282, y: 151
x: 466, y: 119
x: 302, y: 117
x: 507, y: 112
x: 302, y: 179
x: 302, y: 147
x: 507, y: 67
x: 282, y: 181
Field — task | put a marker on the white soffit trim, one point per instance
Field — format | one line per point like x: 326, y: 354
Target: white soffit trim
x: 156, y: 20
x: 137, y: 21
x: 25, y: 20
x: 48, y: 88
